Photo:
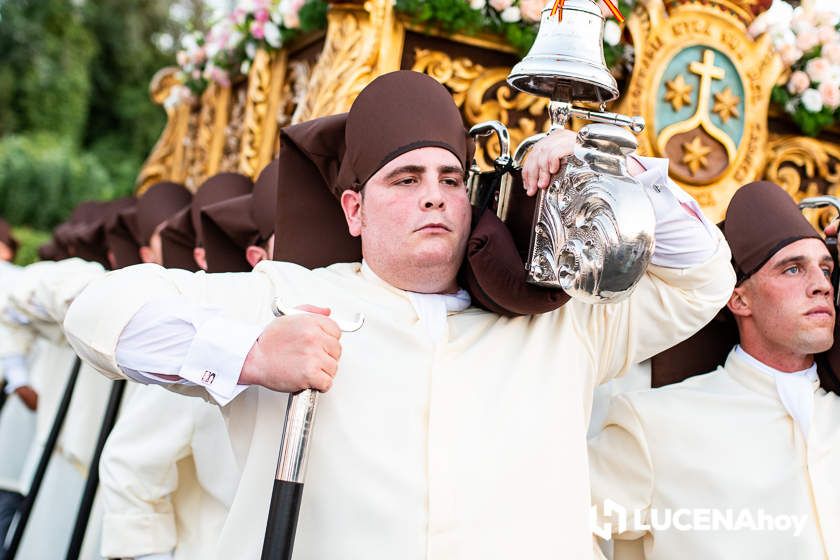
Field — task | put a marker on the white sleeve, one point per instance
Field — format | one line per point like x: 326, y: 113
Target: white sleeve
x: 683, y: 238
x: 15, y: 371
x: 162, y: 556
x: 173, y: 337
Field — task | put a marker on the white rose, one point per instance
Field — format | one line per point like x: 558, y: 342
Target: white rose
x: 478, y: 4
x: 511, y: 14
x: 245, y: 67
x: 612, y: 33
x: 272, y: 34
x: 818, y: 69
x: 250, y: 50
x: 812, y: 100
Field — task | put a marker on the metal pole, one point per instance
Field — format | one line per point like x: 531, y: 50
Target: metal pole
x: 43, y: 462
x: 286, y: 495
x: 2, y: 394
x: 92, y: 482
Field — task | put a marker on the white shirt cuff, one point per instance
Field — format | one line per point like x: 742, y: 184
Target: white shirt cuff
x: 216, y: 356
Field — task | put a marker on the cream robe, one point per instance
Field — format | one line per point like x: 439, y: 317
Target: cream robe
x: 470, y: 448
x: 168, y: 476
x: 723, y: 440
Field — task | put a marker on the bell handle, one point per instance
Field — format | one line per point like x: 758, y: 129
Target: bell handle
x: 489, y: 127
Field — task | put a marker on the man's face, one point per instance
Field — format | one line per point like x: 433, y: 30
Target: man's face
x: 6, y: 253
x: 788, y: 303
x: 153, y: 252
x: 414, y: 220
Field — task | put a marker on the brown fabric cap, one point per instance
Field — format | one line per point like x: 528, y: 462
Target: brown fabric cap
x: 91, y: 239
x: 6, y: 236
x: 307, y: 213
x: 232, y: 225
x: 158, y: 203
x: 396, y: 113
x: 761, y: 220
x: 217, y: 188
x: 178, y: 241
x: 52, y: 251
x: 121, y: 236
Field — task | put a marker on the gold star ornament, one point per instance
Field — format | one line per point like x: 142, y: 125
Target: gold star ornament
x: 694, y: 155
x: 679, y: 92
x: 726, y: 105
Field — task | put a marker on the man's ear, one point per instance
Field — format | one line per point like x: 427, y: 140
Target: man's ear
x: 255, y: 254
x: 351, y: 203
x: 200, y: 257
x: 6, y: 253
x: 739, y: 302
x: 146, y: 254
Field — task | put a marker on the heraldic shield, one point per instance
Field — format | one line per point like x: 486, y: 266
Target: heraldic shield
x: 705, y: 87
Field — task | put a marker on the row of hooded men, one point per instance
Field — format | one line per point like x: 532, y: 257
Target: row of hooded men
x: 413, y: 464
x: 158, y: 494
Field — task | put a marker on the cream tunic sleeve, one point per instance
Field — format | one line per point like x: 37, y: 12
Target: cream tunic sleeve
x: 98, y: 316
x: 621, y: 473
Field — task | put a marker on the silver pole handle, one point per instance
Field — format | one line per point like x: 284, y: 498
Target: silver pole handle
x: 297, y: 429
x: 300, y: 412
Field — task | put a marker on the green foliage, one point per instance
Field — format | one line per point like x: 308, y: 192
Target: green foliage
x: 313, y: 16
x: 809, y: 123
x: 43, y: 176
x: 44, y: 82
x: 29, y: 240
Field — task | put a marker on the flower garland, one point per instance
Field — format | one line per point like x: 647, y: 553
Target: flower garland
x: 227, y: 50
x: 807, y: 39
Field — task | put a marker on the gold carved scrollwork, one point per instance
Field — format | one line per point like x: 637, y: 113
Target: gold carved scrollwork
x: 805, y: 167
x: 207, y: 149
x: 360, y: 44
x: 233, y: 132
x: 472, y: 88
x: 265, y: 83
x: 167, y: 155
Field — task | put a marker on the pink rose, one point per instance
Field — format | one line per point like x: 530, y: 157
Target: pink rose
x: 182, y: 58
x: 798, y: 82
x: 789, y: 54
x: 238, y: 16
x: 830, y: 93
x: 807, y: 40
x: 261, y: 15
x: 831, y: 52
x: 257, y: 30
x: 501, y: 5
x: 818, y: 69
x: 531, y: 9
x: 828, y: 35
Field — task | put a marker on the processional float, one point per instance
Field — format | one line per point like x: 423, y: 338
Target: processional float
x: 592, y: 227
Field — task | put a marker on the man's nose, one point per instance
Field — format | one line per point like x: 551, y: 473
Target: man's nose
x: 432, y: 197
x: 820, y: 283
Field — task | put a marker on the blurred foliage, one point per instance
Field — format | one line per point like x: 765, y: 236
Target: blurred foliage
x: 43, y: 176
x: 28, y: 242
x: 76, y: 121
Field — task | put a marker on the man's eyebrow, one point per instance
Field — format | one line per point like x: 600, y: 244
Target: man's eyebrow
x: 444, y: 169
x: 405, y: 169
x: 799, y: 259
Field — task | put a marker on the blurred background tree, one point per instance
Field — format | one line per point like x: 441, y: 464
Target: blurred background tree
x: 76, y: 121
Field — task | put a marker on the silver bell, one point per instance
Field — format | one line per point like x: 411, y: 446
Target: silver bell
x: 566, y: 62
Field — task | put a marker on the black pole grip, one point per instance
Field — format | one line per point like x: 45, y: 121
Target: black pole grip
x: 282, y: 520
x: 43, y: 462
x: 92, y: 482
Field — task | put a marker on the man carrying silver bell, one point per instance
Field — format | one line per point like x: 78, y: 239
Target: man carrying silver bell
x: 444, y: 431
